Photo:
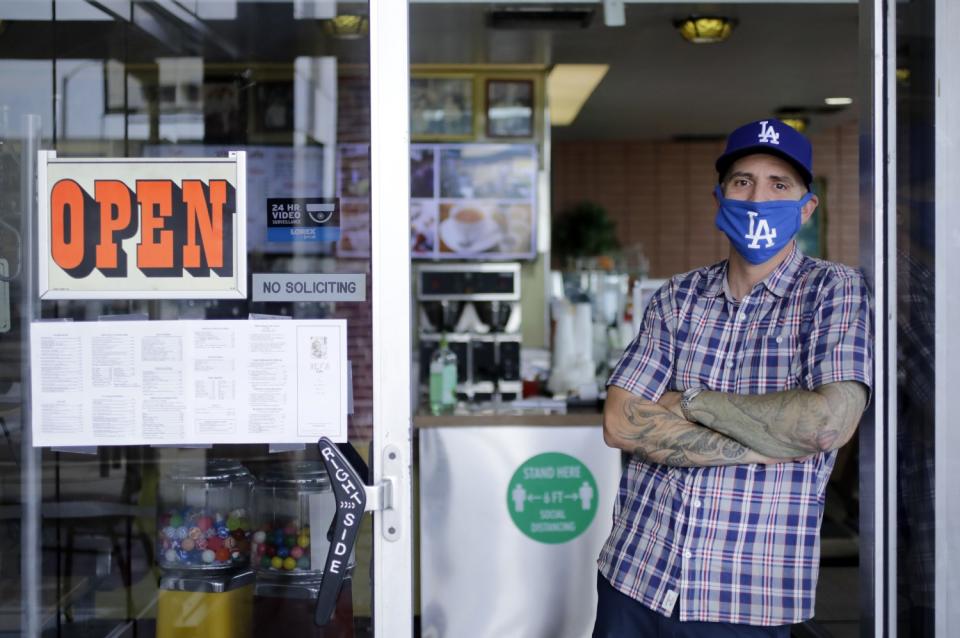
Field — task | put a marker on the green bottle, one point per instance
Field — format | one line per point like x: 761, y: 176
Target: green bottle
x: 443, y: 379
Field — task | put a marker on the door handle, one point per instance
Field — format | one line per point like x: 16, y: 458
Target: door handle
x: 4, y: 277
x: 353, y: 497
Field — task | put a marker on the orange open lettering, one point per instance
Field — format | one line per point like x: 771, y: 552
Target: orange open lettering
x: 111, y: 195
x: 66, y: 224
x: 207, y: 221
x: 181, y: 227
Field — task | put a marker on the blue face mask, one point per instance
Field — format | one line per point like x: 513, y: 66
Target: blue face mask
x: 759, y: 230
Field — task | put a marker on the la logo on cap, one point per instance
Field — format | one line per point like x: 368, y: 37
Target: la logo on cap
x: 767, y: 134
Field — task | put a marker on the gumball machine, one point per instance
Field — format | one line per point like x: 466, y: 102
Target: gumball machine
x: 293, y: 509
x: 203, y: 550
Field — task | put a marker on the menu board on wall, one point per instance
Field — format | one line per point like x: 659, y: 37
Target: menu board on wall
x: 468, y: 201
x: 353, y: 189
x: 188, y: 382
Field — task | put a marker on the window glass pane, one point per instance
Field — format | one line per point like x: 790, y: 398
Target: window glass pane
x: 124, y: 528
x: 915, y: 317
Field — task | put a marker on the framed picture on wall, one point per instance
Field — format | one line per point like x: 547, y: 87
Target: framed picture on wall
x: 509, y: 108
x: 441, y: 108
x: 812, y: 237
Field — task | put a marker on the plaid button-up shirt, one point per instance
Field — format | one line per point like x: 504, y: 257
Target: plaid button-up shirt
x: 740, y: 543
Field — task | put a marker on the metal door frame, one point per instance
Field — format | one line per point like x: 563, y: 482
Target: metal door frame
x: 391, y: 281
x: 878, y: 549
x: 947, y: 317
x: 391, y: 285
x: 878, y: 197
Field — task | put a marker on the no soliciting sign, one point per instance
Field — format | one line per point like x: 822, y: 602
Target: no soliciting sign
x: 289, y: 287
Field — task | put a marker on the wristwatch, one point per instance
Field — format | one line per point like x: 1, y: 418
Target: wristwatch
x: 686, y: 399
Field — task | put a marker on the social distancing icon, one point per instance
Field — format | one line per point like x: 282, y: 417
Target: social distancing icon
x: 552, y: 497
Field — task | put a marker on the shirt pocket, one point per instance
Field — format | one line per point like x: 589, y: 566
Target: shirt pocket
x: 771, y: 362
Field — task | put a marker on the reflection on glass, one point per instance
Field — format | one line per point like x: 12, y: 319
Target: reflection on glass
x: 915, y: 320
x: 207, y: 78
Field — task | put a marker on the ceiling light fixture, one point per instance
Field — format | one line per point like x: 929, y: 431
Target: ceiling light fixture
x: 347, y: 26
x: 568, y: 87
x: 613, y: 13
x: 799, y: 124
x: 705, y: 29
x: 838, y: 101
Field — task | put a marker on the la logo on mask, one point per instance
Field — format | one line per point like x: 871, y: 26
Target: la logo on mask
x: 759, y: 232
x: 768, y: 135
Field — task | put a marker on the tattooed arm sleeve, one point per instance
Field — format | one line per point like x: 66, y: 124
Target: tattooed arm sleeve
x: 835, y: 375
x: 789, y: 423
x: 656, y: 435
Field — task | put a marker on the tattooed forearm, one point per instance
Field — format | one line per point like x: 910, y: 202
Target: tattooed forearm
x: 791, y: 423
x: 654, y: 434
x: 661, y: 437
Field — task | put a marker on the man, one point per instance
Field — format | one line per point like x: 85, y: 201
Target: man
x: 743, y: 381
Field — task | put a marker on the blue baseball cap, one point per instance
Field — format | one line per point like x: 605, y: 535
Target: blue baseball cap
x: 769, y: 136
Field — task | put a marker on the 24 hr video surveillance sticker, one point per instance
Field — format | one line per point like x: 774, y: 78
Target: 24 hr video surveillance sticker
x: 552, y: 497
x: 292, y: 219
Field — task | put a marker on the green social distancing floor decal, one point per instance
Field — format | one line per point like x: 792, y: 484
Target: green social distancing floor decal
x: 552, y: 497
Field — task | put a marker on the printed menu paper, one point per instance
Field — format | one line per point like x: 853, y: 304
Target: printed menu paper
x: 188, y: 382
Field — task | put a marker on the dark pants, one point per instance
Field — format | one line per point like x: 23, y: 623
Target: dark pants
x: 619, y: 616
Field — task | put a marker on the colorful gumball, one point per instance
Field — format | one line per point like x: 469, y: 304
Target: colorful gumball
x: 296, y: 552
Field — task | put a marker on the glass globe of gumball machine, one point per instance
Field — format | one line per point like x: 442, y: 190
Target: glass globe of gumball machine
x: 293, y: 509
x: 203, y: 550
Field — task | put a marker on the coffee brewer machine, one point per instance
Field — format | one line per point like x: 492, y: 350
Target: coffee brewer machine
x: 477, y: 307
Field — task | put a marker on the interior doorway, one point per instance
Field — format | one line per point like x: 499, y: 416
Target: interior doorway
x: 643, y: 144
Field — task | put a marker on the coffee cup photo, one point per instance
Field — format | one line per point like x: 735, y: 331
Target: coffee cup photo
x: 469, y: 222
x: 468, y: 227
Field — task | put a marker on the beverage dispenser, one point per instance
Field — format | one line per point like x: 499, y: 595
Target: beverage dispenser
x: 203, y: 550
x: 477, y: 308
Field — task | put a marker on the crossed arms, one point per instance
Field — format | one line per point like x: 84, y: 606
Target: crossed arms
x: 734, y: 428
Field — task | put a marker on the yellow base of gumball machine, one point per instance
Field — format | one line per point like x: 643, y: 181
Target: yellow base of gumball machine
x: 192, y: 610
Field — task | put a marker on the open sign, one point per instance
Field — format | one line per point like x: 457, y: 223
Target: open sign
x: 142, y: 228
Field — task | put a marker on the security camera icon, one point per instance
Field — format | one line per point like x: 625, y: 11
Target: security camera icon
x: 321, y: 213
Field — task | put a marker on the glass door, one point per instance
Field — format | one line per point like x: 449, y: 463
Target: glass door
x: 224, y: 530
